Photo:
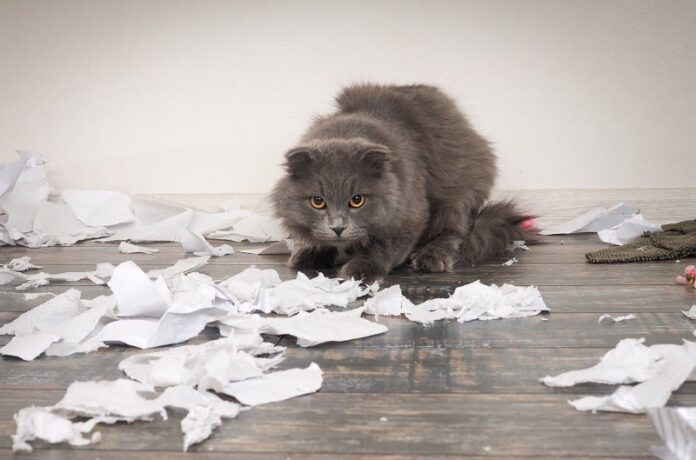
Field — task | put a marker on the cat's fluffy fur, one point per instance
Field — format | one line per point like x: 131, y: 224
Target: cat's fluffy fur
x: 425, y: 173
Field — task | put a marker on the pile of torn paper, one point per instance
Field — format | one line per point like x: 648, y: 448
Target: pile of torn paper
x: 618, y: 225
x: 469, y: 302
x: 235, y: 366
x: 169, y: 306
x: 28, y: 218
x: 172, y: 305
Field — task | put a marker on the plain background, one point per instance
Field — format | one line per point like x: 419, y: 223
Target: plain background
x: 165, y: 96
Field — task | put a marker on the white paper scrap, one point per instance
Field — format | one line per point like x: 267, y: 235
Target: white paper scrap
x: 304, y: 294
x: 196, y: 243
x: 136, y: 294
x: 691, y: 313
x: 56, y: 224
x: 277, y: 386
x: 387, y: 302
x: 518, y: 244
x: 593, y: 220
x: 510, y: 262
x: 477, y: 301
x: 628, y: 231
x: 210, y: 365
x: 28, y: 347
x: 616, y: 319
x: 38, y: 423
x: 25, y: 188
x: 256, y: 228
x: 54, y: 311
x: 673, y: 369
x: 629, y: 362
x: 99, y: 207
x: 319, y: 326
x: 677, y: 428
x: 20, y: 264
x: 113, y: 401
x: 181, y: 266
x: 128, y: 248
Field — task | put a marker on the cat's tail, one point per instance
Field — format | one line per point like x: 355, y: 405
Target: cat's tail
x: 494, y: 227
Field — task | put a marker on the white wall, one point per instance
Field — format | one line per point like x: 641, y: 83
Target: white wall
x: 204, y: 97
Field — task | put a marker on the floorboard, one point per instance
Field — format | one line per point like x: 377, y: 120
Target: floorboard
x: 449, y: 390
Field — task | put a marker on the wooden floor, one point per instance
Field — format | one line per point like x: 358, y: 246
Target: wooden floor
x: 451, y: 390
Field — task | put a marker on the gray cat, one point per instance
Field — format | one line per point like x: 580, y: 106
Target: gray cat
x: 396, y: 172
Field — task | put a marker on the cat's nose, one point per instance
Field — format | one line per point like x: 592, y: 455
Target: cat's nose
x: 338, y: 230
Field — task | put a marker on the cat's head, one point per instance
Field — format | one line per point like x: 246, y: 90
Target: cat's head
x: 337, y: 191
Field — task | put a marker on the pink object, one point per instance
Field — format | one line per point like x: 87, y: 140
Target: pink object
x: 529, y: 224
x: 688, y: 277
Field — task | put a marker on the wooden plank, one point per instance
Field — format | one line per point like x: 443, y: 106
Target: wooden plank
x: 373, y: 370
x: 562, y: 330
x: 65, y: 453
x: 646, y: 273
x: 447, y: 424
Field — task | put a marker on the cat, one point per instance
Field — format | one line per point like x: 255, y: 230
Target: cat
x: 395, y: 174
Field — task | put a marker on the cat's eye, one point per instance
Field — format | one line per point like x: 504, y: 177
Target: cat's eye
x: 356, y: 201
x: 317, y: 202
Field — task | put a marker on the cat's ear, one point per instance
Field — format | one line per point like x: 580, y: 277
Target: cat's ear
x: 375, y: 159
x: 298, y: 160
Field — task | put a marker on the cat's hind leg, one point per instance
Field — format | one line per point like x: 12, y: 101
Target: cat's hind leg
x: 442, y: 242
x: 439, y: 254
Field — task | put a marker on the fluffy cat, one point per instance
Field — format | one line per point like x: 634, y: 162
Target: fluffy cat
x: 395, y: 173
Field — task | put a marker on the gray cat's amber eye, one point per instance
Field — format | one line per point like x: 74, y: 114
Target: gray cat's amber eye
x: 317, y: 202
x: 356, y: 201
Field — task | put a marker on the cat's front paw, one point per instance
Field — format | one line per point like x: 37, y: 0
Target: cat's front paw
x: 309, y: 257
x: 364, y: 269
x: 433, y: 259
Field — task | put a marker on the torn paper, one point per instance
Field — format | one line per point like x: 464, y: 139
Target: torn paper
x: 181, y: 266
x: 691, y: 313
x: 616, y: 319
x: 477, y: 301
x: 197, y: 244
x: 60, y: 325
x: 632, y: 363
x: 282, y: 247
x: 210, y: 365
x: 517, y: 244
x: 300, y: 294
x: 54, y: 311
x: 311, y: 329
x: 628, y: 231
x: 26, y: 186
x: 277, y: 386
x: 136, y: 294
x: 28, y: 347
x: 99, y: 208
x: 677, y: 428
x: 55, y: 224
x: 510, y: 262
x: 387, y: 302
x: 34, y: 280
x: 38, y: 423
x: 20, y: 264
x: 114, y: 401
x: 629, y: 362
x: 593, y: 220
x: 128, y: 248
x: 255, y: 228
